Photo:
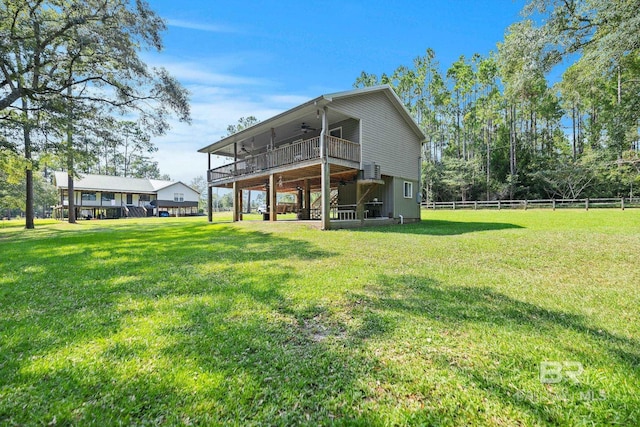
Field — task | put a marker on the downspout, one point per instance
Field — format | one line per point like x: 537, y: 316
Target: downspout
x: 325, y: 174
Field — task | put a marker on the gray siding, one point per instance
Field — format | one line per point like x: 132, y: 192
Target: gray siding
x: 350, y: 129
x: 407, y: 207
x: 387, y: 139
x: 347, y: 194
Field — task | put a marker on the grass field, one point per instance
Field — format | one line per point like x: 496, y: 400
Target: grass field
x: 467, y: 318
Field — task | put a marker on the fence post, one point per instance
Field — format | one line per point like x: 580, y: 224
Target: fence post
x: 475, y: 205
x: 622, y: 203
x: 553, y: 202
x: 499, y: 205
x: 454, y: 205
x: 526, y: 203
x: 586, y: 203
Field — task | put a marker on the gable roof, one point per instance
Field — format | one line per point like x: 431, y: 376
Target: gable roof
x: 113, y: 183
x: 312, y: 106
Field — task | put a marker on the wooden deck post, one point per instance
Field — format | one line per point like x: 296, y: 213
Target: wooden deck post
x: 359, y: 202
x: 299, y: 198
x: 307, y: 199
x: 209, y: 195
x: 235, y: 202
x: 325, y: 174
x: 273, y: 213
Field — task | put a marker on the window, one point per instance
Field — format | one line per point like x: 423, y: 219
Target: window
x: 145, y: 197
x: 107, y: 197
x: 88, y: 197
x: 178, y: 197
x: 408, y: 190
x: 337, y: 132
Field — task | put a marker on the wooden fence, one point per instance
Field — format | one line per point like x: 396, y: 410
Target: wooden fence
x: 619, y: 203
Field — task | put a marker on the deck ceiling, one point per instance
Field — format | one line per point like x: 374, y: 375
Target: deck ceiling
x: 289, y: 181
x: 257, y: 138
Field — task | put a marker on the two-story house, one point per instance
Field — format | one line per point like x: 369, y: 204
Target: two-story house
x: 351, y: 158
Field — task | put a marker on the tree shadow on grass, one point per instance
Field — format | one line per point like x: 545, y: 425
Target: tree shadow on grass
x: 434, y: 227
x: 484, y: 311
x: 67, y: 321
x: 198, y: 324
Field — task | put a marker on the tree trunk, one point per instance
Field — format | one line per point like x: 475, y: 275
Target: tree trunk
x: 70, y: 166
x: 512, y: 151
x: 26, y: 129
x: 573, y: 127
x: 489, y: 129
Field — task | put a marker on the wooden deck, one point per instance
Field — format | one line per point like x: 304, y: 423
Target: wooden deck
x: 291, y: 156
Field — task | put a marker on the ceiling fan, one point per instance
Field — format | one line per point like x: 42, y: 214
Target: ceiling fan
x: 306, y: 128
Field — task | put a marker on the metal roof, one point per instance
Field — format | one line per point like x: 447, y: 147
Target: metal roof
x: 310, y: 108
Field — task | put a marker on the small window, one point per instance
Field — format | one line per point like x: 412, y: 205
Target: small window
x: 178, y: 197
x: 408, y: 190
x: 145, y: 197
x: 88, y: 197
x: 107, y: 197
x: 337, y: 132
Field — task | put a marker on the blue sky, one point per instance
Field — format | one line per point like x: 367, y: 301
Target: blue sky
x: 262, y: 57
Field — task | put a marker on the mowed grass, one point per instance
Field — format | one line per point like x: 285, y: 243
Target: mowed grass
x: 167, y: 321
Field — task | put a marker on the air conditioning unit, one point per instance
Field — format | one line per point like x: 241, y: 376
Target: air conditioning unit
x: 371, y: 171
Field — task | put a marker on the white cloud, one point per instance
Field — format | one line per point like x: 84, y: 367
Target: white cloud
x: 210, y: 28
x: 188, y: 72
x: 211, y: 114
x: 218, y: 99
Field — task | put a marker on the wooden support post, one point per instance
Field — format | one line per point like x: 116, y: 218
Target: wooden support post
x: 307, y: 199
x: 209, y: 194
x: 359, y: 203
x: 240, y: 203
x: 235, y: 202
x: 210, y: 203
x: 326, y: 194
x: 273, y: 213
x: 299, y: 197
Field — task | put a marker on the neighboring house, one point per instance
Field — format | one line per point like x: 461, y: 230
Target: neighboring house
x: 102, y: 196
x: 360, y: 150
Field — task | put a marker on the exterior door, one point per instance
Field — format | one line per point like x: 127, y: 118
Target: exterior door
x: 129, y: 199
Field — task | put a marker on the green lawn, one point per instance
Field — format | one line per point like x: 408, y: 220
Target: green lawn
x: 447, y: 322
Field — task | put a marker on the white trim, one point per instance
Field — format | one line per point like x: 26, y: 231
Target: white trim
x: 337, y: 128
x: 404, y: 189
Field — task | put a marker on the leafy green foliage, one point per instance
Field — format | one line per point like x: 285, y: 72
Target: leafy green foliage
x: 499, y: 114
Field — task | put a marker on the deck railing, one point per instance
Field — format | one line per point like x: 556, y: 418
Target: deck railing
x: 308, y: 149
